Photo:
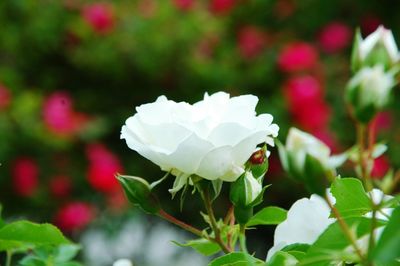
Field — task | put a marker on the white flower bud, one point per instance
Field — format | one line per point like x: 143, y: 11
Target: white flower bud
x: 122, y: 262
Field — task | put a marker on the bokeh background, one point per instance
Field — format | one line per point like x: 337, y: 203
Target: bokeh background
x: 72, y: 71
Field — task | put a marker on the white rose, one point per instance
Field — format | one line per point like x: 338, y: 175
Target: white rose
x: 377, y: 48
x: 299, y: 227
x: 371, y: 86
x: 212, y: 138
x: 123, y: 262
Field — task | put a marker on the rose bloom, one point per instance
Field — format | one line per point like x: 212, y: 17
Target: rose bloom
x: 381, y: 167
x: 212, y: 138
x: 221, y: 7
x: 297, y: 56
x: 302, y: 91
x: 74, y: 216
x: 251, y: 41
x: 334, y: 37
x: 100, y: 16
x: 25, y: 176
x: 313, y: 116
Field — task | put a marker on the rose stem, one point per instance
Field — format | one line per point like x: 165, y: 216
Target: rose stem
x: 179, y: 223
x: 242, y: 238
x: 345, y: 230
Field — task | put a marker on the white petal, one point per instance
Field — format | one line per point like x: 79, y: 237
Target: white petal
x: 217, y: 163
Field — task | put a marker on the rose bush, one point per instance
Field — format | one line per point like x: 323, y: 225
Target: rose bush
x: 212, y: 138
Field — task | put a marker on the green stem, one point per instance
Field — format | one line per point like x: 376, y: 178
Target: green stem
x: 242, y: 238
x: 8, y: 258
x: 364, y: 158
x: 346, y: 230
x: 214, y: 226
x: 179, y: 223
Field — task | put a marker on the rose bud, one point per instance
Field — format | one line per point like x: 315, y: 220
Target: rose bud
x: 297, y: 56
x: 25, y: 177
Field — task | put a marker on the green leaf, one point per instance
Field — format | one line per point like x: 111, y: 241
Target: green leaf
x: 64, y: 253
x: 351, y: 198
x: 388, y: 247
x: 268, y: 216
x: 23, y: 233
x: 236, y: 259
x: 282, y: 258
x: 332, y: 243
x: 201, y: 245
x: 2, y: 223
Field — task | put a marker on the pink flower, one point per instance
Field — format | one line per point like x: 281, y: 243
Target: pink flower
x: 59, y: 116
x: 60, y: 186
x: 103, y: 165
x: 5, y: 97
x: 74, y: 216
x: 25, y: 176
x: 380, y: 167
x: 297, y: 56
x: 251, y: 42
x: 334, y: 37
x: 221, y: 7
x: 302, y: 91
x: 100, y: 16
x: 312, y: 117
x: 184, y: 5
x: 383, y: 121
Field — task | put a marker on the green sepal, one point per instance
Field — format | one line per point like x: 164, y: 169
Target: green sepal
x: 314, y: 176
x: 243, y: 214
x: 355, y: 53
x: 138, y: 192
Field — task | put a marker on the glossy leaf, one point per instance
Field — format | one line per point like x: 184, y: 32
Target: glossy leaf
x: 351, y: 198
x: 268, y: 216
x: 237, y: 259
x: 203, y: 246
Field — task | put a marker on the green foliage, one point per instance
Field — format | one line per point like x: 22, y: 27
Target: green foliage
x: 268, y: 216
x: 24, y: 234
x: 54, y: 256
x: 351, y: 198
x: 333, y: 244
x: 282, y: 258
x: 201, y: 245
x: 387, y: 249
x: 237, y: 259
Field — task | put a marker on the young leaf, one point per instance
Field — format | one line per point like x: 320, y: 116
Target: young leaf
x: 268, y: 216
x: 387, y: 250
x: 64, y: 253
x: 201, y: 245
x: 22, y: 233
x: 332, y: 244
x: 237, y: 259
x: 351, y: 198
x: 281, y: 258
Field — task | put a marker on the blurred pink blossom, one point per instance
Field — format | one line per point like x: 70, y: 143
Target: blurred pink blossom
x: 297, y: 56
x: 221, y: 7
x: 103, y: 165
x: 380, y: 167
x: 328, y: 138
x: 60, y: 186
x: 334, y: 37
x: 5, y: 97
x: 59, y: 116
x: 74, y: 216
x: 302, y: 90
x: 184, y: 5
x: 25, y: 176
x: 251, y: 41
x: 312, y: 117
x: 100, y: 16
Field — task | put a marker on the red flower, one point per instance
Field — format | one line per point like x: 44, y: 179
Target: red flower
x: 383, y: 121
x: 334, y: 37
x: 297, y: 57
x: 100, y: 16
x: 103, y: 165
x: 5, y: 97
x: 312, y: 117
x: 302, y: 91
x: 251, y: 41
x: 221, y: 7
x: 60, y: 186
x: 184, y: 5
x: 380, y: 168
x: 328, y: 138
x: 74, y: 216
x: 25, y: 173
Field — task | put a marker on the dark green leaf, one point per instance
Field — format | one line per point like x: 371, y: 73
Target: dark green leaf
x: 236, y: 259
x: 203, y: 246
x: 268, y: 216
x: 388, y: 247
x: 2, y: 223
x: 351, y: 199
x: 22, y: 233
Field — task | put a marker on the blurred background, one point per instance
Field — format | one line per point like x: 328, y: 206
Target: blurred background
x: 72, y: 72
